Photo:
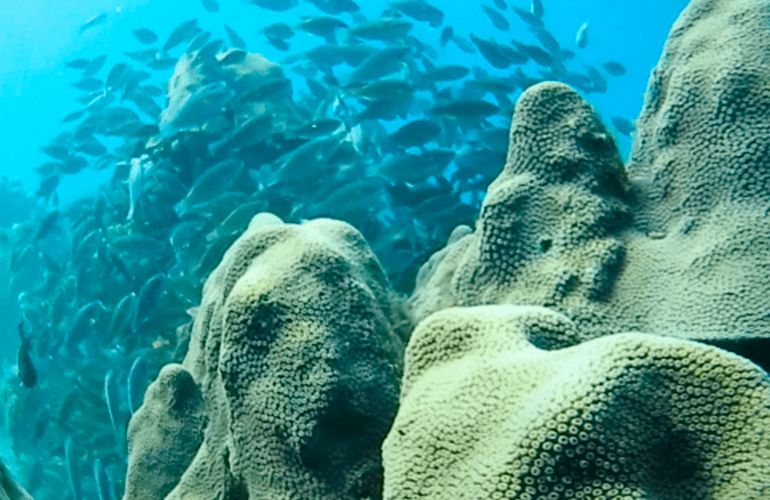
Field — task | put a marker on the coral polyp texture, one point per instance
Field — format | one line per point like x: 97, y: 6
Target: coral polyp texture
x: 493, y: 407
x: 295, y: 355
x: 675, y: 244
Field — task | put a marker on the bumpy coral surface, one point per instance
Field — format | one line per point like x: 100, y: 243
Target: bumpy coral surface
x: 164, y: 434
x: 493, y: 406
x: 680, y: 245
x: 703, y: 133
x: 298, y: 364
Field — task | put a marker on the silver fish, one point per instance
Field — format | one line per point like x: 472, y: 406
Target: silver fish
x: 94, y: 21
x: 581, y: 38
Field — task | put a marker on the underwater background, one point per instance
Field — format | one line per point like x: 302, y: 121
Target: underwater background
x: 80, y: 248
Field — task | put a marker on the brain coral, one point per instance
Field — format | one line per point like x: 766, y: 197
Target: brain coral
x: 678, y: 243
x: 298, y: 364
x: 493, y: 407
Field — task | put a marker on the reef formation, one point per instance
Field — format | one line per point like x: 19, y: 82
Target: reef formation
x: 575, y: 344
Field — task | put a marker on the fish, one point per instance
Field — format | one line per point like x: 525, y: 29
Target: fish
x: 184, y: 237
x: 237, y: 220
x: 231, y: 57
x: 415, y: 133
x: 103, y: 487
x: 537, y: 8
x: 84, y: 321
x: 279, y: 44
x: 275, y: 5
x: 236, y: 41
x: 614, y: 68
x: 162, y: 63
x: 88, y: 84
x: 407, y: 167
x: 500, y: 4
x: 151, y: 90
x: 472, y: 162
x: 597, y: 80
x: 382, y: 63
x: 323, y: 26
x: 42, y: 423
x: 91, y: 147
x: 499, y: 56
x: 10, y: 489
x: 197, y: 42
x: 146, y: 105
x: 216, y: 210
x: 497, y: 19
x: 581, y: 37
x: 145, y: 36
x: 319, y: 128
x: 80, y: 63
x: 463, y: 44
x: 528, y: 17
x: 309, y: 159
x: 111, y: 400
x: 210, y: 5
x: 335, y: 7
x: 137, y: 383
x: 25, y: 368
x: 122, y: 316
x: 215, y: 180
x: 622, y: 125
x: 48, y: 224
x: 387, y: 92
x: 249, y: 133
x: 445, y: 73
x: 446, y: 35
x: 466, y: 110
x: 136, y: 245
x: 278, y: 30
x: 141, y: 55
x: 420, y: 11
x: 384, y: 29
x: 208, y: 53
x: 72, y: 457
x: 93, y: 22
x: 94, y: 66
x: 547, y: 40
x: 204, y: 103
x: 495, y: 138
x: 182, y: 33
x: 537, y: 54
x: 117, y: 77
x: 138, y: 169
x: 212, y: 256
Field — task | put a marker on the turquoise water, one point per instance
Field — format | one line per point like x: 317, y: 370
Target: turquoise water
x: 39, y: 37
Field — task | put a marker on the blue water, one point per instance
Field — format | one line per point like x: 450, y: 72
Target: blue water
x: 38, y: 37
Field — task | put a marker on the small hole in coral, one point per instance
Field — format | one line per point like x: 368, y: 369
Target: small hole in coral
x: 545, y: 244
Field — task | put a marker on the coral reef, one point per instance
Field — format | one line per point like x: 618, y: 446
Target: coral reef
x: 294, y: 354
x: 494, y: 406
x: 569, y: 346
x: 685, y: 229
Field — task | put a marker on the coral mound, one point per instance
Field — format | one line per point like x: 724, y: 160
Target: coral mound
x: 295, y: 355
x: 493, y: 407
